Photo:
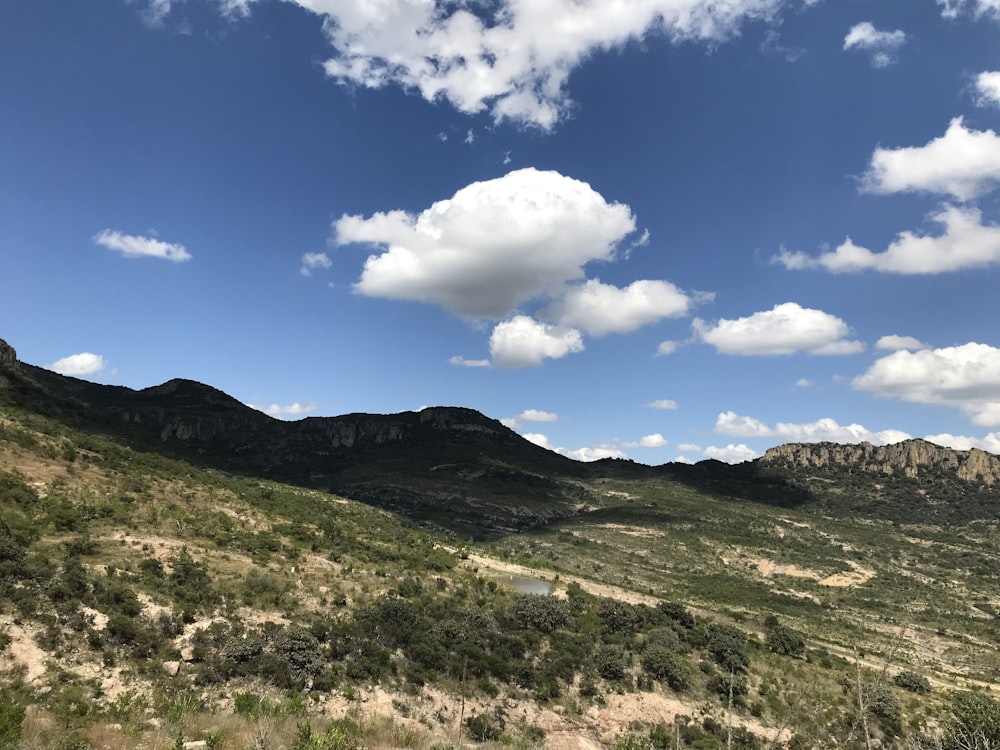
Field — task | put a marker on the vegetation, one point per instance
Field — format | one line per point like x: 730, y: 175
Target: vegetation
x: 150, y: 600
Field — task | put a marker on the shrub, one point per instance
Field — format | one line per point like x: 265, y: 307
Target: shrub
x: 541, y: 613
x: 610, y: 663
x: 728, y: 646
x: 915, y: 683
x: 784, y: 640
x: 484, y: 728
x: 667, y: 666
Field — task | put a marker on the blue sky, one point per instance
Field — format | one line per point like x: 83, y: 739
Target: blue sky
x: 673, y: 229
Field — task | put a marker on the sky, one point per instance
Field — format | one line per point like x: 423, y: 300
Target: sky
x: 662, y: 230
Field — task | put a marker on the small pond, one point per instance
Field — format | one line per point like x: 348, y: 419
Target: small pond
x: 526, y: 585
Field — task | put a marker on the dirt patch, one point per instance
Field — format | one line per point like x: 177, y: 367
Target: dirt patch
x: 23, y: 652
x: 854, y: 577
x: 591, y: 587
x: 630, y: 530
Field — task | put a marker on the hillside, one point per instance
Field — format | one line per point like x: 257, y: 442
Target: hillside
x: 154, y: 590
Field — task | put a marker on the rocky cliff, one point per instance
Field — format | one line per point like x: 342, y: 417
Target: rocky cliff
x: 8, y: 363
x: 910, y: 458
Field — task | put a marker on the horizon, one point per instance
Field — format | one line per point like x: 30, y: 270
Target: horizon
x: 676, y: 231
x: 501, y: 421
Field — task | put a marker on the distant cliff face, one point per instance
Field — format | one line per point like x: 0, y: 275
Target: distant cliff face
x: 8, y: 361
x: 910, y: 458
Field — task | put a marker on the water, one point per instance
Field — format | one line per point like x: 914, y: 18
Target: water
x: 526, y: 585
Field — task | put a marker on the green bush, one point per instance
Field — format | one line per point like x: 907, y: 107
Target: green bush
x: 667, y: 666
x: 610, y: 662
x: 915, y: 683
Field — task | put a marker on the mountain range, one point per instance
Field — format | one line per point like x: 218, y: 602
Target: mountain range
x: 455, y: 468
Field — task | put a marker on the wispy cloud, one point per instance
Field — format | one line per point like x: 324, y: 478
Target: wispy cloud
x: 661, y: 403
x: 296, y: 409
x: 313, y: 261
x: 461, y: 361
x: 882, y: 46
x: 138, y: 246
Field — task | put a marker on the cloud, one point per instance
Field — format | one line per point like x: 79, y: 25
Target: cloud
x: 785, y: 329
x: 990, y: 442
x: 661, y: 403
x: 804, y: 383
x: 773, y: 47
x: 978, y: 8
x: 524, y: 342
x: 656, y: 440
x: 512, y: 58
x: 666, y: 348
x: 136, y: 246
x: 964, y: 243
x: 463, y: 362
x: 590, y: 453
x: 530, y: 415
x: 492, y: 246
x: 77, y: 365
x: 964, y: 377
x: 599, y: 309
x: 731, y: 454
x: 155, y: 11
x: 291, y: 410
x: 821, y: 431
x: 882, y: 46
x: 894, y: 343
x: 689, y: 447
x: 988, y: 88
x: 962, y: 163
x: 312, y: 261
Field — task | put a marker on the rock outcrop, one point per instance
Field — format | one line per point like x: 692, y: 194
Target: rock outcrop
x: 910, y: 458
x: 8, y: 363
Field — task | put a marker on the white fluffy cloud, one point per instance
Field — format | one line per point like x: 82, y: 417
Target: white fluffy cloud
x: 661, y: 403
x: 988, y: 88
x: 656, y: 440
x: 785, y: 329
x: 137, y: 246
x: 894, y: 343
x: 954, y: 8
x: 589, y: 453
x: 731, y: 454
x: 666, y: 348
x: 989, y: 443
x: 965, y: 243
x: 77, y: 365
x: 599, y: 309
x: 822, y: 430
x: 524, y: 342
x: 291, y: 410
x: 882, y: 47
x: 962, y: 163
x: 689, y: 447
x: 966, y: 377
x: 492, y: 246
x: 313, y: 261
x: 512, y: 57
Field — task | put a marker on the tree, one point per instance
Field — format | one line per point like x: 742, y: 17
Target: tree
x: 784, y: 640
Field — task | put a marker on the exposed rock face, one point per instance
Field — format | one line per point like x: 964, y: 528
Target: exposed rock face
x: 8, y: 357
x: 8, y: 361
x: 910, y: 458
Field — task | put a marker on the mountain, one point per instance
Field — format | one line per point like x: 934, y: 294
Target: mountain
x: 455, y: 468
x: 446, y: 466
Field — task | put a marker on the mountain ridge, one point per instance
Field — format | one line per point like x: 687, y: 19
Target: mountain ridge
x: 457, y: 468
